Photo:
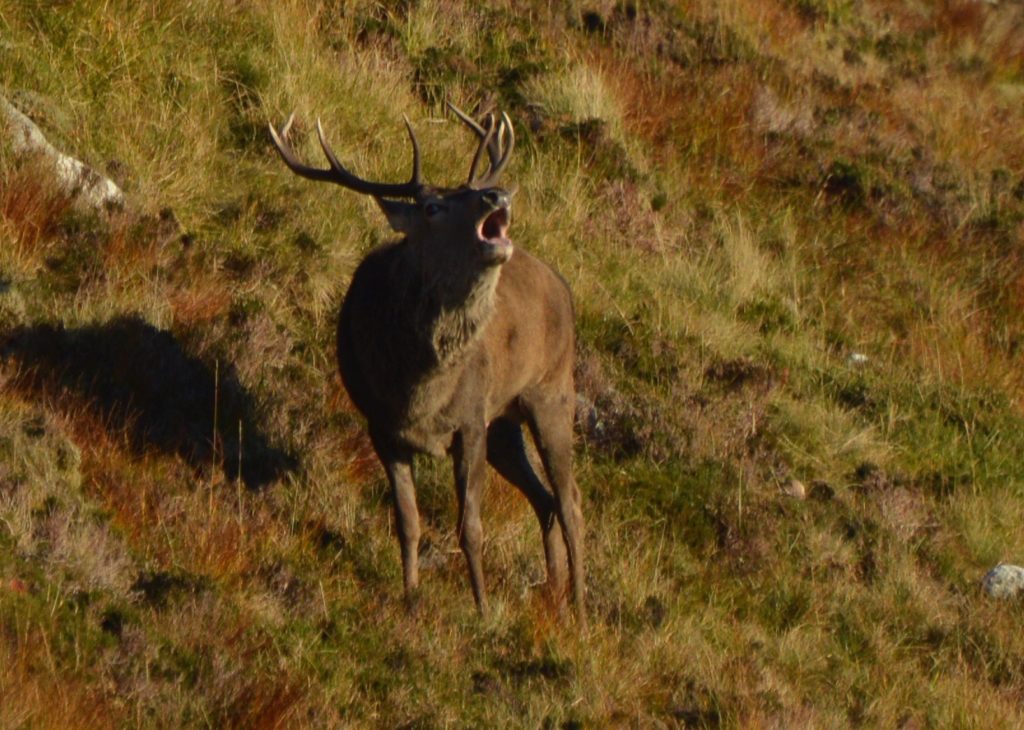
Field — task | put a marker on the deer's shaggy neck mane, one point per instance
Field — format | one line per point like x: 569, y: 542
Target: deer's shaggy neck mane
x: 448, y: 312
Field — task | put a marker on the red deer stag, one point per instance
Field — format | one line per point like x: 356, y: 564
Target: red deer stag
x: 449, y: 340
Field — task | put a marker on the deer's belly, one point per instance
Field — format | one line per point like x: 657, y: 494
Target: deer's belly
x: 436, y: 409
x: 428, y: 438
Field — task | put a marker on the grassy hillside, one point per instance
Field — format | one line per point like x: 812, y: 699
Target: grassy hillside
x: 795, y: 234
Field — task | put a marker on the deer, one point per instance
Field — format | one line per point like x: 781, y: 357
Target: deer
x: 449, y: 341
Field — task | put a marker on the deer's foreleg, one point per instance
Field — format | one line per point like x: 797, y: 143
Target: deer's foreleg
x: 469, y: 450
x: 398, y: 465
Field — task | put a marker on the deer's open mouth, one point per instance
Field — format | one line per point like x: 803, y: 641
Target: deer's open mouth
x: 494, y: 241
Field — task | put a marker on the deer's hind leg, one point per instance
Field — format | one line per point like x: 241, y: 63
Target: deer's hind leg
x: 550, y: 416
x: 506, y: 452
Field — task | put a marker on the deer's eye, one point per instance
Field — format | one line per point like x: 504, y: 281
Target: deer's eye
x: 432, y: 209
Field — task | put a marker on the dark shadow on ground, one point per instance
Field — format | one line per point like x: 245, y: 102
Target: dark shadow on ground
x: 142, y: 383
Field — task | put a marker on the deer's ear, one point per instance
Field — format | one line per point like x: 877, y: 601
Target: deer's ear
x: 401, y: 216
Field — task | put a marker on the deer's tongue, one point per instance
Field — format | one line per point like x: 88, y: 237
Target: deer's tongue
x: 495, y: 225
x: 495, y: 243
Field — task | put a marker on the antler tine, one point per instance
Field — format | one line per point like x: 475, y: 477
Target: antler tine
x: 346, y: 178
x: 285, y: 150
x: 497, y: 167
x: 493, y: 149
x: 485, y: 140
x: 337, y: 172
x: 494, y: 140
x: 415, y: 179
x: 469, y: 121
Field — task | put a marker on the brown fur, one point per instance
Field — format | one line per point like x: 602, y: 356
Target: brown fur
x: 448, y: 341
x: 455, y: 364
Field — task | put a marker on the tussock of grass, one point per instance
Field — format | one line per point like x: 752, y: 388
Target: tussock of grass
x: 791, y: 229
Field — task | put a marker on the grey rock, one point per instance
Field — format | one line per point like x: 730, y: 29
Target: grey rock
x: 44, y: 111
x: 74, y: 176
x: 795, y: 488
x: 1004, y: 581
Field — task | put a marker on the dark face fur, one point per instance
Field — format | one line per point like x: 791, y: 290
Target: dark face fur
x: 456, y: 230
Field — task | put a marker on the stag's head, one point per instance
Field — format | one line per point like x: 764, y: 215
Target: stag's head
x: 452, y: 229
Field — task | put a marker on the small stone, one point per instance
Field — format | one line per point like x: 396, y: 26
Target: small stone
x: 795, y: 488
x: 857, y: 359
x: 1004, y: 581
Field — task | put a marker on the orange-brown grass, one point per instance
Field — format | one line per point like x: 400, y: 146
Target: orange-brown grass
x: 203, y: 529
x: 714, y: 599
x: 31, y: 206
x: 709, y: 114
x: 36, y: 692
x: 104, y: 454
x: 1008, y: 48
x: 705, y: 107
x: 126, y: 250
x: 222, y: 537
x: 362, y: 464
x: 199, y: 301
x: 779, y: 21
x: 265, y: 704
x: 960, y: 18
x: 646, y: 113
x: 971, y: 126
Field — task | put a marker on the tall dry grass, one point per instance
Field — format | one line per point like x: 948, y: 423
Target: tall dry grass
x: 742, y: 196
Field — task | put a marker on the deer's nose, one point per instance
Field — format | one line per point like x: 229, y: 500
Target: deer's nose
x: 496, y: 198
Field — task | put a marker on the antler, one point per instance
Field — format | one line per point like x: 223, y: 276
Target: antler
x: 492, y: 138
x: 338, y: 174
x: 487, y: 140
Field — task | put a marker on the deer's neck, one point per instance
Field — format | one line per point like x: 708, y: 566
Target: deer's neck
x: 451, y: 312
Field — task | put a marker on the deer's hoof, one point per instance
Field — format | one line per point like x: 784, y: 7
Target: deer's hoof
x: 413, y: 601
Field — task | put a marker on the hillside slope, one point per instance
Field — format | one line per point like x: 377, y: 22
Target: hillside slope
x: 794, y: 230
